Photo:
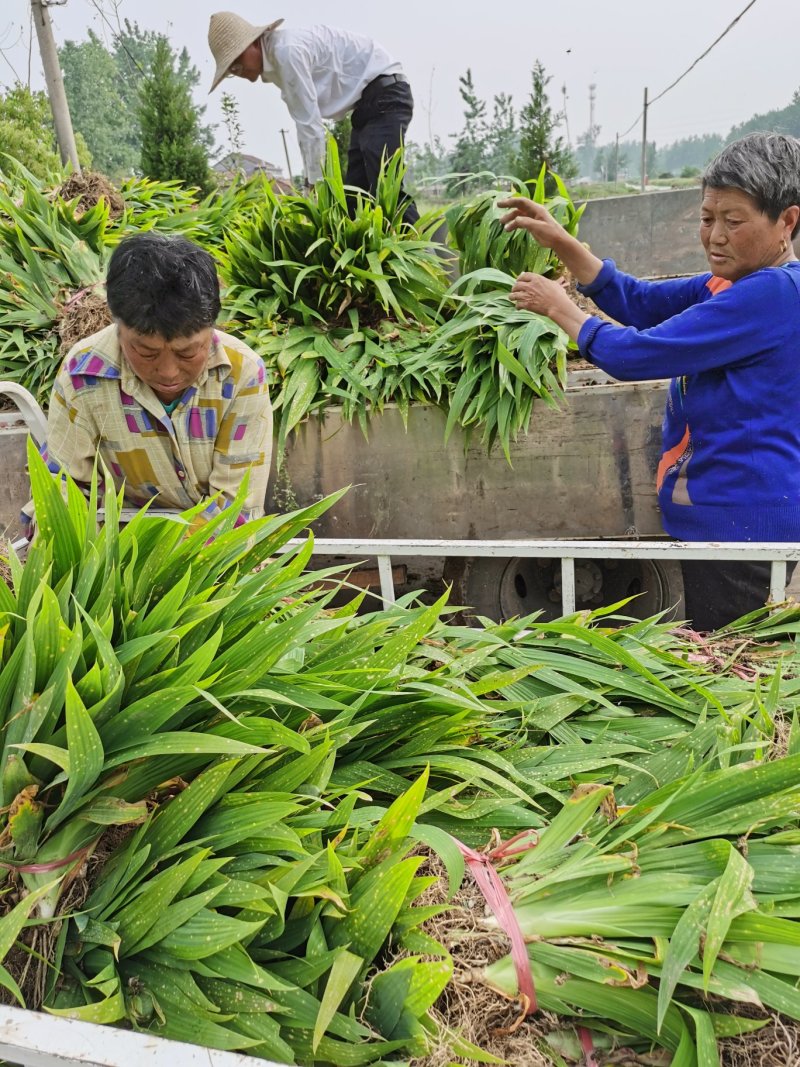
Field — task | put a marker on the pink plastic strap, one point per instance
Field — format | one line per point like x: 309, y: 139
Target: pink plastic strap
x: 587, y: 1044
x: 45, y: 868
x: 81, y: 293
x: 496, y: 896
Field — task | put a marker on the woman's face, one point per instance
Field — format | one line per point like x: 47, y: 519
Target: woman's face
x: 168, y: 367
x: 738, y: 238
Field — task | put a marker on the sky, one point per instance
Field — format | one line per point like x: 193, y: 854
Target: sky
x: 619, y: 46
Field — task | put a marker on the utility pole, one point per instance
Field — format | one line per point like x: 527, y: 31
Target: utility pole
x: 616, y: 161
x: 644, y: 142
x: 286, y: 153
x: 55, y: 85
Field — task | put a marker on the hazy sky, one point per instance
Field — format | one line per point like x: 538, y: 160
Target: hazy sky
x: 621, y: 46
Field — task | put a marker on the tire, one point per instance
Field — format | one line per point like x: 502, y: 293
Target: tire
x: 502, y: 589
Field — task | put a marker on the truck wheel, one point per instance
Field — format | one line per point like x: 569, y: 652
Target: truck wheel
x: 506, y: 588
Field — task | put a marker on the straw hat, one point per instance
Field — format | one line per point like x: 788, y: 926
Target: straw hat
x: 228, y: 36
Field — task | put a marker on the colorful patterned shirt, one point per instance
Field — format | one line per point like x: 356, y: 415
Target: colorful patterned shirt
x: 220, y: 428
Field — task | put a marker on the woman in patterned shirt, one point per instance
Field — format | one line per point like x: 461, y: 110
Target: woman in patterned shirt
x: 177, y: 411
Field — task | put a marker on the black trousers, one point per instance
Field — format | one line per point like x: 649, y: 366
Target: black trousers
x: 718, y: 593
x: 379, y: 123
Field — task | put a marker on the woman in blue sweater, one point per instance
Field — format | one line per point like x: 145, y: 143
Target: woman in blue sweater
x: 730, y: 342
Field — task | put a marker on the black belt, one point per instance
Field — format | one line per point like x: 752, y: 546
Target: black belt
x: 381, y: 82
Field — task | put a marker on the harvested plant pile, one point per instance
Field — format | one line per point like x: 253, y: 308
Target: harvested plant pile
x: 218, y: 793
x: 481, y: 240
x: 89, y: 188
x: 346, y: 304
x: 54, y: 250
x: 51, y: 254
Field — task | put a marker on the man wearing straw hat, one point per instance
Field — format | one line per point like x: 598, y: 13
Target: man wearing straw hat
x: 323, y: 73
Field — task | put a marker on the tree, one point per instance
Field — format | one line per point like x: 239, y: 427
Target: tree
x: 782, y: 120
x: 502, y: 141
x: 539, y: 144
x: 135, y: 51
x: 602, y: 162
x: 586, y: 149
x: 103, y: 88
x: 231, y: 123
x: 169, y: 121
x: 693, y: 151
x: 469, y: 152
x: 427, y: 160
x: 98, y: 108
x: 27, y: 132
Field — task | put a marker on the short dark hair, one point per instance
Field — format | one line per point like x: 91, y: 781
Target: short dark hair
x: 766, y: 166
x: 165, y: 285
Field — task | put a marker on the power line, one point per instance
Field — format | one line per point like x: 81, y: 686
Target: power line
x: 4, y: 48
x: 713, y: 44
x: 703, y: 56
x: 118, y: 39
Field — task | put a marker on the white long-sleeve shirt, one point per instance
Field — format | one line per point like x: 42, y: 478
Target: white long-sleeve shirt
x: 321, y: 73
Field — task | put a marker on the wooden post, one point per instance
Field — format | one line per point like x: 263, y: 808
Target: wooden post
x: 55, y: 85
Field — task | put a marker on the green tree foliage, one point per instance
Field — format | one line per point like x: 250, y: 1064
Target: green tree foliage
x: 539, y: 142
x: 586, y: 149
x: 782, y: 120
x: 99, y: 111
x: 502, y: 138
x: 135, y: 51
x: 27, y: 132
x: 603, y: 164
x: 694, y: 151
x: 172, y: 145
x: 428, y: 160
x: 103, y: 87
x: 469, y: 151
x: 231, y: 123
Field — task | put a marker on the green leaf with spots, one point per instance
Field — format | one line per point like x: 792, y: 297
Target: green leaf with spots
x: 343, y: 973
x: 393, y: 830
x: 732, y: 898
x: 85, y: 757
x: 375, y: 903
x: 142, y: 913
x: 207, y: 932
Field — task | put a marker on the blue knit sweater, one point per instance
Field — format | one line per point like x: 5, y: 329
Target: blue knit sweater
x: 730, y: 469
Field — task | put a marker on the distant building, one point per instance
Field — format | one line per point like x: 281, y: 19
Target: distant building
x: 244, y: 164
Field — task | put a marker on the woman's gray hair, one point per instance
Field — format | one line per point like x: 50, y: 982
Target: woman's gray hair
x: 162, y: 284
x: 766, y: 166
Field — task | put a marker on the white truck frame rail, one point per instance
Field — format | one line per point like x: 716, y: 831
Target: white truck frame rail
x: 35, y: 1039
x: 776, y: 553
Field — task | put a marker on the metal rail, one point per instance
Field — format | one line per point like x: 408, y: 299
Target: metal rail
x: 776, y: 553
x: 33, y: 1039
